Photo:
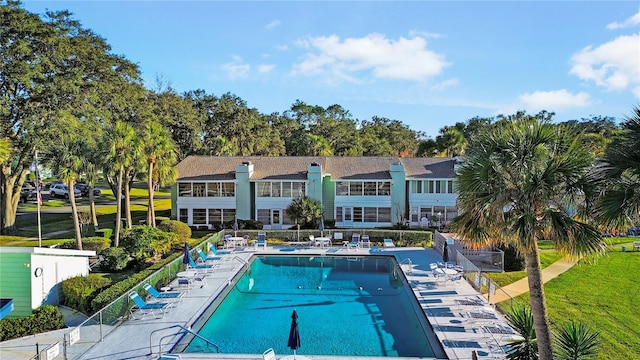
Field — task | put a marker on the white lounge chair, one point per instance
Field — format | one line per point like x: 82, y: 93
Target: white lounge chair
x: 269, y: 354
x: 365, y: 242
x: 261, y: 241
x: 388, y: 243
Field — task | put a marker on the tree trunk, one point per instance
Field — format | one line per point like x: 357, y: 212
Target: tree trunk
x: 118, y: 196
x: 127, y: 201
x: 151, y: 213
x: 538, y: 305
x: 10, y: 200
x: 92, y: 209
x: 74, y: 214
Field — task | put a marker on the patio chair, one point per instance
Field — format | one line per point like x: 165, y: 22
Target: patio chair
x: 269, y: 354
x: 261, y: 241
x: 205, y: 267
x: 206, y: 258
x: 147, y: 308
x: 365, y: 242
x: 175, y: 295
x: 388, y: 243
x: 355, y: 242
x: 185, y: 283
x: 219, y: 252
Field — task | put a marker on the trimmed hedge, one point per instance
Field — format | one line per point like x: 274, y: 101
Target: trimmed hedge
x: 77, y: 292
x: 118, y: 289
x: 146, y: 244
x: 44, y: 318
x: 177, y: 227
x: 94, y: 243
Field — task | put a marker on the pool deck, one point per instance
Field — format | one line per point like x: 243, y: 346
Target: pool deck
x: 462, y: 320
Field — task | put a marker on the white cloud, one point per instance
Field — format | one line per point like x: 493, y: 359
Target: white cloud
x: 613, y: 65
x: 630, y: 22
x: 445, y: 84
x: 237, y: 69
x: 424, y: 34
x: 553, y: 100
x: 265, y: 68
x: 272, y: 25
x: 402, y: 59
x: 282, y: 47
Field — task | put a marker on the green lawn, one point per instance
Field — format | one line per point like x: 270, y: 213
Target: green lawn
x: 502, y: 279
x: 603, y: 295
x: 51, y: 223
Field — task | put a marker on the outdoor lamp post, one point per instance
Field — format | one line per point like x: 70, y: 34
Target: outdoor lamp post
x: 439, y: 220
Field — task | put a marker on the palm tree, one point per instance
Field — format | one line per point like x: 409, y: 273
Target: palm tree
x: 619, y: 205
x: 66, y: 159
x: 576, y: 341
x: 521, y: 320
x: 306, y: 210
x: 159, y: 152
x: 522, y: 179
x: 119, y: 140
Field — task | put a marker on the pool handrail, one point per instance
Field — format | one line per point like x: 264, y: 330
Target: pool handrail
x: 183, y: 331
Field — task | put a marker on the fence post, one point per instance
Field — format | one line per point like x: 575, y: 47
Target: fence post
x: 100, y: 322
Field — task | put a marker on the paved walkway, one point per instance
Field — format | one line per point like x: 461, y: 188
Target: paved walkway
x: 522, y: 286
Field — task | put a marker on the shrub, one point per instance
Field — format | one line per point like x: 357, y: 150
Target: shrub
x: 177, y: 227
x: 114, y: 259
x: 95, y: 243
x: 44, y: 318
x: 78, y: 292
x: 147, y: 244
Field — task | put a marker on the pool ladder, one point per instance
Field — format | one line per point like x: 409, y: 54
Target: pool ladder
x: 183, y: 330
x: 406, y: 261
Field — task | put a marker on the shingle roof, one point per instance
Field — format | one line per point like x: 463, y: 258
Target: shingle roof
x: 202, y: 168
x: 429, y: 168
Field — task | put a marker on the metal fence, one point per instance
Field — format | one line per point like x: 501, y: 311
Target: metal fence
x: 83, y: 337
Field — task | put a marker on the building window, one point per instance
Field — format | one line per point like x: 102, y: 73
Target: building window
x: 450, y: 187
x: 298, y: 189
x: 416, y: 186
x: 357, y: 214
x: 199, y: 189
x: 183, y: 215
x: 287, y: 190
x: 228, y: 215
x: 281, y: 189
x: 276, y: 189
x: 264, y: 216
x: 213, y: 189
x: 370, y: 214
x: 199, y: 216
x: 228, y: 189
x: 184, y: 189
x: 384, y: 188
x: 215, y: 216
x: 264, y: 189
x: 339, y: 213
x: 384, y: 215
x: 342, y: 188
x: 355, y: 188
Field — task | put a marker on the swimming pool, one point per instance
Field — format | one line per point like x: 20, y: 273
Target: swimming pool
x: 347, y: 306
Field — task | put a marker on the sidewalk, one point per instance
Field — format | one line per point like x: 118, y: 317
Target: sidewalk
x: 522, y: 286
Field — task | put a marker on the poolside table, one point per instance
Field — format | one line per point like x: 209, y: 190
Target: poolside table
x: 236, y: 241
x: 323, y: 241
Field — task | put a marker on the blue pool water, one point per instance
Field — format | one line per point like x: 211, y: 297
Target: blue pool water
x: 346, y: 307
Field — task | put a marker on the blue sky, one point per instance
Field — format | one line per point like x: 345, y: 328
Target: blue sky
x: 426, y: 63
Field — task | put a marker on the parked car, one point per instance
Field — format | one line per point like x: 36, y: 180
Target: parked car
x: 63, y: 191
x: 28, y: 192
x: 84, y: 190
